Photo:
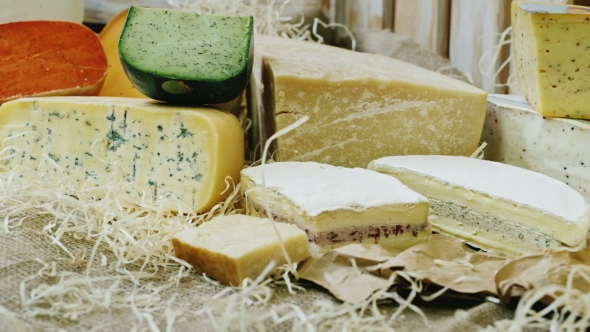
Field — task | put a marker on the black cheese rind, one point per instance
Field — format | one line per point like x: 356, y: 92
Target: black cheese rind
x: 187, y: 58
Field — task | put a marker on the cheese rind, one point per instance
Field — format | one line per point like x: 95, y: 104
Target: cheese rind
x: 233, y: 248
x: 552, y: 56
x: 157, y: 150
x: 361, y: 106
x: 526, y: 198
x: 517, y: 135
x: 339, y: 203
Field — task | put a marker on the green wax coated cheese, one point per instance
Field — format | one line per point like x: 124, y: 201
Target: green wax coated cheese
x: 187, y: 58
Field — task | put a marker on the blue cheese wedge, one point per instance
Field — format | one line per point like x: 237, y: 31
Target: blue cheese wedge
x: 233, y: 248
x: 494, y: 206
x: 517, y: 135
x: 154, y: 150
x: 338, y: 205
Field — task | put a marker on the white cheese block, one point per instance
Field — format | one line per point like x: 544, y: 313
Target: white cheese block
x: 519, y: 136
x: 493, y: 205
x: 233, y: 248
x: 360, y: 106
x: 49, y: 10
x: 153, y: 149
x: 338, y: 205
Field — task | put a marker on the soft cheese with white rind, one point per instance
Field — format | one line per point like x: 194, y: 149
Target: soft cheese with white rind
x: 500, y: 193
x: 235, y: 247
x: 338, y: 205
x: 361, y: 106
x: 154, y: 149
x: 517, y: 135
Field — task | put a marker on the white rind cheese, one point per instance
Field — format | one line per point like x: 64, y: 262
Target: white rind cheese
x: 338, y: 205
x: 524, y: 198
x: 235, y: 247
x: 156, y: 150
x: 519, y: 136
x: 360, y: 106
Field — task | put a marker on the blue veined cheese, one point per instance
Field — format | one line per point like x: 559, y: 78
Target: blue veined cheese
x: 494, y: 206
x: 519, y: 136
x: 158, y: 150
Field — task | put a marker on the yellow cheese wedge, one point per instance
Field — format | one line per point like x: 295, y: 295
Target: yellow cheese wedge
x: 552, y: 56
x: 157, y: 150
x: 233, y: 248
x: 361, y: 106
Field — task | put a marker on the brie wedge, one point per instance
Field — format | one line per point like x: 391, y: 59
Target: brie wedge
x: 338, y: 205
x: 494, y: 206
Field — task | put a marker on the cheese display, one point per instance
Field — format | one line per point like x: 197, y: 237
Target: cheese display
x: 361, y: 106
x: 117, y: 84
x: 519, y: 136
x: 49, y: 58
x: 552, y: 56
x: 159, y: 150
x: 235, y: 247
x: 189, y: 58
x: 337, y: 205
x: 33, y: 10
x: 494, y: 206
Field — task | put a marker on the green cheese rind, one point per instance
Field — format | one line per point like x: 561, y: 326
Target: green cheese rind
x: 187, y: 58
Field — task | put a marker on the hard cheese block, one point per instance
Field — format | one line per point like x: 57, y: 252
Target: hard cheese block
x: 492, y: 205
x: 156, y: 150
x: 233, y: 248
x: 552, y: 56
x: 361, y: 106
x: 50, y: 58
x: 519, y: 136
x: 183, y: 57
x: 337, y: 205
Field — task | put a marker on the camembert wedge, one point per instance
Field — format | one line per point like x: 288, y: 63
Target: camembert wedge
x: 233, y: 248
x: 494, y: 206
x: 337, y: 205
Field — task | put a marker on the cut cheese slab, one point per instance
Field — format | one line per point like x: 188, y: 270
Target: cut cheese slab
x: 361, y: 106
x: 519, y: 136
x: 233, y: 248
x: 33, y: 10
x: 338, y: 205
x: 492, y: 205
x: 50, y: 58
x: 552, y: 56
x: 158, y: 150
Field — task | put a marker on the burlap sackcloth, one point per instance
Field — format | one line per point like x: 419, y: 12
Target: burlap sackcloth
x: 23, y: 251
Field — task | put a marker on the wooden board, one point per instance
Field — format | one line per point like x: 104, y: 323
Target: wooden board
x: 425, y: 21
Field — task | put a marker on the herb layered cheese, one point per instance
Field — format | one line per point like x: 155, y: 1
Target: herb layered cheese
x: 552, y: 57
x: 492, y: 205
x: 519, y: 136
x: 337, y: 205
x: 154, y: 149
x: 360, y: 106
x: 235, y: 247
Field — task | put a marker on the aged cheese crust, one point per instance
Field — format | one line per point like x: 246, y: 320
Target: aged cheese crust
x: 361, y: 106
x: 233, y: 248
x: 158, y: 150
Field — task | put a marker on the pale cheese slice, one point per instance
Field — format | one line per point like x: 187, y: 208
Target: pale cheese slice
x: 493, y: 205
x: 360, y: 106
x: 235, y: 247
x: 156, y: 150
x: 338, y: 205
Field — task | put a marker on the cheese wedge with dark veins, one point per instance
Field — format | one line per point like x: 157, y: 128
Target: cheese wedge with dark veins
x: 338, y: 205
x: 494, y: 206
x: 156, y: 150
x: 235, y: 247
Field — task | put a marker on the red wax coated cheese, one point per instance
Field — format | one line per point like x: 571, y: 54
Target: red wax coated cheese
x: 50, y: 58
